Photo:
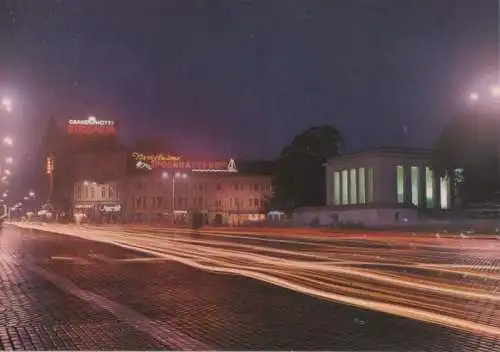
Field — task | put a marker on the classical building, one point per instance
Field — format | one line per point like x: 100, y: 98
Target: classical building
x: 380, y: 186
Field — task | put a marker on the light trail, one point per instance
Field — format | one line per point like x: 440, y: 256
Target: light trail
x: 398, y: 279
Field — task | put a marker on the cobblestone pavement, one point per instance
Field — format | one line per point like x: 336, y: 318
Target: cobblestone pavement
x: 64, y: 292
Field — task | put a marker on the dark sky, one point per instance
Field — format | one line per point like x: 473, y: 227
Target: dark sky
x: 245, y: 76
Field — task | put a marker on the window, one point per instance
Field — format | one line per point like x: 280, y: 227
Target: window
x: 353, y: 187
x: 87, y: 192
x: 369, y: 185
x: 250, y: 202
x: 255, y: 202
x: 111, y: 192
x: 103, y: 192
x: 361, y: 185
x: 345, y: 190
x: 79, y: 191
x: 256, y: 187
x: 92, y: 192
x: 218, y: 186
x: 400, y: 184
x: 445, y: 192
x: 415, y: 185
x: 236, y: 188
x: 429, y: 188
x: 336, y: 188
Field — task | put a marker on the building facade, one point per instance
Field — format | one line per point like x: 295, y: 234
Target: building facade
x: 223, y: 198
x: 381, y: 186
x: 113, y: 188
x: 98, y: 187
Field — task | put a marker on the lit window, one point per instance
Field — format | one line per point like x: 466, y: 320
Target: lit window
x: 361, y: 185
x: 353, y: 187
x: 336, y: 188
x: 415, y: 185
x: 103, y: 192
x: 445, y: 192
x: 400, y: 183
x: 345, y: 190
x: 92, y: 192
x: 429, y: 188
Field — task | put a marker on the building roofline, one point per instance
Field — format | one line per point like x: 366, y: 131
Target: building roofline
x: 386, y: 151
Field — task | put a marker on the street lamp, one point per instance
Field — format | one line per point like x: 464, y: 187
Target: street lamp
x: 31, y: 194
x: 491, y: 103
x: 8, y: 141
x: 175, y: 176
x: 7, y: 172
x: 9, y: 160
x: 6, y: 104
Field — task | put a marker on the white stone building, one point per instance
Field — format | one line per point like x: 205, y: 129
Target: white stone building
x: 379, y: 187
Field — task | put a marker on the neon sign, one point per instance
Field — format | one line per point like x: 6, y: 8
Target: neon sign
x: 91, y: 126
x: 167, y: 161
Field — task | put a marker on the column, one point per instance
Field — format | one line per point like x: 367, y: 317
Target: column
x: 437, y: 191
x: 422, y: 198
x: 407, y: 184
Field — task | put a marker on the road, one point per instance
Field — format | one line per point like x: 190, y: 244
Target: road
x: 73, y: 287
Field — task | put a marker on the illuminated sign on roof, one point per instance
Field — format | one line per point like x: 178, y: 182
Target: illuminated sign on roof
x: 91, y: 126
x: 167, y: 161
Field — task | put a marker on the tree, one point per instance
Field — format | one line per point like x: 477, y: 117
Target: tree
x: 299, y: 176
x: 470, y: 142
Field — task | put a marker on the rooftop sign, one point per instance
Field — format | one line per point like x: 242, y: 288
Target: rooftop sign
x: 91, y: 126
x: 167, y: 161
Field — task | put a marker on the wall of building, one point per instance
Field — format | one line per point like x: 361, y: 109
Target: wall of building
x: 371, y: 217
x: 98, y: 202
x: 231, y: 198
x: 417, y: 184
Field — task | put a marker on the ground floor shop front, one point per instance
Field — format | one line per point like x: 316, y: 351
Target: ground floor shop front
x: 183, y: 217
x: 98, y: 213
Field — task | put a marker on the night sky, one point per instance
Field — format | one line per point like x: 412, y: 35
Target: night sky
x: 243, y: 77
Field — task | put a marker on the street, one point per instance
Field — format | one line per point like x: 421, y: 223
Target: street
x: 143, y: 288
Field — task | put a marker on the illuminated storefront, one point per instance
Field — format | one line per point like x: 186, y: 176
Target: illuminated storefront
x: 97, y: 202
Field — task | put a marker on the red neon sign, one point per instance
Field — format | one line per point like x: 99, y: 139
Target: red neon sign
x: 91, y: 126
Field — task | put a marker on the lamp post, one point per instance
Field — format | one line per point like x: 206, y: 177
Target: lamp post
x: 489, y: 103
x: 174, y: 176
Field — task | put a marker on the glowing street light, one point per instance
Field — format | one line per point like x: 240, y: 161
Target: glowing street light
x: 5, y: 195
x: 7, y: 172
x: 31, y: 194
x: 177, y: 175
x: 8, y: 141
x: 495, y: 91
x: 6, y: 104
x: 473, y: 96
x: 26, y: 198
x: 9, y: 160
